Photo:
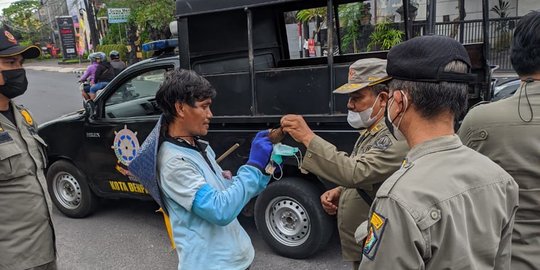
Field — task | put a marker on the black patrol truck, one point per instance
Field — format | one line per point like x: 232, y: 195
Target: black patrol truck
x: 247, y: 50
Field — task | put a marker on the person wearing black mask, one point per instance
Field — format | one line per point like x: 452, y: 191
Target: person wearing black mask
x: 26, y: 229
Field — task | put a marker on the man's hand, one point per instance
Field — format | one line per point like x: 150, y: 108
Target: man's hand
x: 261, y: 149
x: 297, y: 127
x: 330, y: 200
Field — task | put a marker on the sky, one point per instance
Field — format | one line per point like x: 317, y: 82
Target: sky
x: 5, y: 4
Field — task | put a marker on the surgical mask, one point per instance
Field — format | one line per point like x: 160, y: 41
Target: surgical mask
x: 363, y: 119
x: 279, y: 151
x: 15, y: 83
x: 282, y: 150
x: 389, y: 123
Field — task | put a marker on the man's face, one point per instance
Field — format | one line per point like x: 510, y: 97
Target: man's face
x: 10, y: 63
x: 363, y: 99
x: 197, y: 119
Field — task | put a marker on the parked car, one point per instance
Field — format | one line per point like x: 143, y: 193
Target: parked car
x: 505, y: 89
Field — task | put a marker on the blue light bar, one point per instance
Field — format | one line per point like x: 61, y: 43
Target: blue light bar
x: 160, y: 45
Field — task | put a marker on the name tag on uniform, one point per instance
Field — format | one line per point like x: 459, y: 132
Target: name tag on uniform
x: 5, y: 137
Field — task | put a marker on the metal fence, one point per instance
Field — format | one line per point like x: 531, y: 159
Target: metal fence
x: 501, y: 31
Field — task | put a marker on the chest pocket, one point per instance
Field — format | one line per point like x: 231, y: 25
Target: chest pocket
x: 12, y: 163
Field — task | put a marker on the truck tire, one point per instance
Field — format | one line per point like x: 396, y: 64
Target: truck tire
x: 69, y: 190
x: 291, y: 220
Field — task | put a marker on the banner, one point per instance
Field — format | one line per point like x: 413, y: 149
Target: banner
x: 67, y: 36
x: 118, y: 15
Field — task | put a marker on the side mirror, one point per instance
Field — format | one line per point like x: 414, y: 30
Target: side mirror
x: 89, y: 108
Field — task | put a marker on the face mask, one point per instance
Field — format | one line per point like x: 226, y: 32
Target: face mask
x: 362, y: 119
x: 15, y: 83
x: 281, y: 150
x: 278, y: 152
x: 394, y: 130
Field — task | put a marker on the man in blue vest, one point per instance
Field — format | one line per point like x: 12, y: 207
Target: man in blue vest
x: 202, y: 203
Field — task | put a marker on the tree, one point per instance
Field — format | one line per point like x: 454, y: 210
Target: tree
x: 21, y: 18
x: 384, y: 37
x: 148, y: 20
x: 316, y: 14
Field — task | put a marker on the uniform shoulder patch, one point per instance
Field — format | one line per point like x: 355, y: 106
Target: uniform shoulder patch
x: 383, y: 143
x: 27, y: 117
x: 377, y: 224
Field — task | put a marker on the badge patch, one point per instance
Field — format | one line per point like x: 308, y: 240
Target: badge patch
x: 10, y: 37
x: 27, y: 118
x: 5, y: 137
x: 383, y: 143
x: 371, y: 239
x: 377, y: 223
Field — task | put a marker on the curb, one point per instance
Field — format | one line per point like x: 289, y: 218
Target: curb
x: 57, y: 69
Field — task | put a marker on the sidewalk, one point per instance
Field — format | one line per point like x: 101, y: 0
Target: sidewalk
x: 54, y: 66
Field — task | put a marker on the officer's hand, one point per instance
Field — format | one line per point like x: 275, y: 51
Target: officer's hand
x: 261, y: 148
x: 297, y: 127
x: 330, y: 200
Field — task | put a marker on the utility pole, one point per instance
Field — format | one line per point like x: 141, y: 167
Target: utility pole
x: 91, y: 23
x: 51, y: 21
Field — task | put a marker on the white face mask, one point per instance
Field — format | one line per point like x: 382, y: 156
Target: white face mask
x: 395, y: 129
x: 363, y: 119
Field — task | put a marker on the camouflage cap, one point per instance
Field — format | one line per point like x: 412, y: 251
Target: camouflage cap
x: 364, y: 73
x: 10, y: 47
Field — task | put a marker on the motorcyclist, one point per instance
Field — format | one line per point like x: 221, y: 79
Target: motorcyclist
x: 116, y: 62
x: 104, y: 74
x: 87, y: 79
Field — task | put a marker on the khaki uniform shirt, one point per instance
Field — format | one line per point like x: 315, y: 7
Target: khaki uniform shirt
x: 26, y: 230
x: 497, y: 131
x: 376, y: 155
x: 447, y: 207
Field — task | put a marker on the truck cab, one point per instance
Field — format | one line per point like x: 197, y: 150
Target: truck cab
x: 252, y: 51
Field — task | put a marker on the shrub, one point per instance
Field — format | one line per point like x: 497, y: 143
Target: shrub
x: 121, y: 48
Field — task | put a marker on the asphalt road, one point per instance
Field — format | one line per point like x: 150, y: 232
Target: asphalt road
x: 128, y: 234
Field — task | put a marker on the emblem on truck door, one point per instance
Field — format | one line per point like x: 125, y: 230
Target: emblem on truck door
x: 125, y: 145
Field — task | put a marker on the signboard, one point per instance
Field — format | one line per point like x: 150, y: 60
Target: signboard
x: 118, y: 15
x: 67, y: 36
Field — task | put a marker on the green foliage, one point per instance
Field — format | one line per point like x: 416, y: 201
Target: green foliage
x: 501, y: 8
x: 384, y: 37
x: 121, y: 48
x: 152, y: 18
x: 116, y: 34
x: 307, y: 15
x: 21, y: 19
x: 313, y: 14
x: 349, y: 19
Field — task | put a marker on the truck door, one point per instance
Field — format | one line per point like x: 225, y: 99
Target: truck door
x: 128, y: 112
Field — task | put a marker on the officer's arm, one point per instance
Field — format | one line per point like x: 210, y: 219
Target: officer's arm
x: 323, y: 159
x: 187, y: 187
x: 395, y: 241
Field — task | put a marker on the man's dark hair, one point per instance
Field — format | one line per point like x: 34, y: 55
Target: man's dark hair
x: 432, y: 99
x: 183, y: 86
x: 525, y: 55
x: 378, y: 88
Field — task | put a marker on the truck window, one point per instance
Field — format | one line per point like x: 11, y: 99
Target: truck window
x: 136, y: 96
x: 363, y: 26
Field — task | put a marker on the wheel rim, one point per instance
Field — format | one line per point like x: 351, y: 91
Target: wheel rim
x: 67, y: 190
x: 288, y: 221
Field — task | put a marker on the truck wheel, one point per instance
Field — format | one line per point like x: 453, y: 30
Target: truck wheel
x: 290, y: 218
x: 69, y: 190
